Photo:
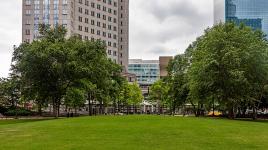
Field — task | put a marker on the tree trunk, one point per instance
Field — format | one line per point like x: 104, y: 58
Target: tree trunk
x: 54, y: 108
x: 254, y: 115
x: 75, y: 111
x: 128, y: 109
x: 115, y: 108
x: 213, y: 107
x: 16, y: 110
x: 89, y: 105
x: 101, y: 108
x: 202, y: 110
x: 198, y: 110
x: 58, y: 109
x: 231, y: 113
x: 244, y: 112
x: 119, y: 106
x: 195, y: 112
x: 158, y: 107
x: 173, y: 109
x: 40, y: 110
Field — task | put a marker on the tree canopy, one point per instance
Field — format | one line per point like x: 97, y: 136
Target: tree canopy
x: 226, y: 66
x: 55, y: 69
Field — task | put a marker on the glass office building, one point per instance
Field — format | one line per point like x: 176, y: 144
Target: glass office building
x: 147, y: 71
x: 253, y: 13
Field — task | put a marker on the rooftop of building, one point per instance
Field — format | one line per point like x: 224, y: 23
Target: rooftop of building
x: 140, y: 61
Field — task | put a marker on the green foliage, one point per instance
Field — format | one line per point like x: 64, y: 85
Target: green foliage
x: 226, y: 66
x: 3, y: 109
x: 17, y: 112
x: 135, y: 96
x: 74, y: 98
x: 130, y: 94
x: 9, y: 91
x: 159, y: 94
x: 178, y: 80
x: 54, y: 68
x: 230, y: 65
x: 124, y: 94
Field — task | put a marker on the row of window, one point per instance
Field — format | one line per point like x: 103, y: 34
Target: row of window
x: 37, y: 12
x: 99, y: 24
x: 93, y: 14
x: 37, y: 2
x: 104, y: 34
x: 80, y: 9
x: 104, y: 17
x: 92, y: 39
x: 28, y: 32
x: 93, y: 4
x: 110, y: 52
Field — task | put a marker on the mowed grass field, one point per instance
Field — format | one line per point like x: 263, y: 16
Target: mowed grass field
x: 133, y: 133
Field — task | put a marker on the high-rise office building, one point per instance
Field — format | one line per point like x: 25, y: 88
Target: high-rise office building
x: 106, y: 20
x: 253, y: 13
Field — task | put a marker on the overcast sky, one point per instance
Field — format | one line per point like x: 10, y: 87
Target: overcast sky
x: 157, y: 27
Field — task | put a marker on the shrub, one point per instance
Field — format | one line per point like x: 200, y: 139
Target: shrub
x: 18, y: 112
x: 3, y: 109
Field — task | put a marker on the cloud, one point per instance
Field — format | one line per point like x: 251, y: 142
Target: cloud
x: 10, y: 32
x: 157, y: 27
x: 166, y: 27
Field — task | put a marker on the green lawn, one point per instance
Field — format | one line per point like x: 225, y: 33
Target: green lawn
x: 133, y: 132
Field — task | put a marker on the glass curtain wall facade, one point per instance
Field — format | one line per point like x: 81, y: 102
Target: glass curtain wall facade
x: 147, y: 71
x: 253, y: 13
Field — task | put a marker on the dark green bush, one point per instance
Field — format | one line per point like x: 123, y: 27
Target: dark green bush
x: 18, y: 112
x: 3, y: 109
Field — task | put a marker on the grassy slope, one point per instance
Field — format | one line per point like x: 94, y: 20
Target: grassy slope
x: 133, y: 132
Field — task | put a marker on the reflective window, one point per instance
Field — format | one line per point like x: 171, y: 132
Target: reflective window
x: 253, y: 13
x: 147, y: 73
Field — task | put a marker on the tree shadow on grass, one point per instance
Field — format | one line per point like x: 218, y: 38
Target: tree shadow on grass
x: 17, y: 121
x: 260, y: 120
x: 251, y: 120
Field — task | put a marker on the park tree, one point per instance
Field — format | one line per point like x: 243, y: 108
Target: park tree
x: 130, y: 95
x: 159, y: 94
x: 135, y: 96
x: 9, y: 92
x: 178, y: 81
x: 229, y: 64
x: 124, y: 96
x: 51, y: 67
x: 116, y: 86
x: 75, y: 98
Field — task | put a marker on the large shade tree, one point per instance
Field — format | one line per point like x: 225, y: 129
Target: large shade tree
x: 52, y: 66
x: 229, y: 64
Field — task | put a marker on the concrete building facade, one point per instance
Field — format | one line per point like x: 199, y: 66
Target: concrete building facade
x: 106, y: 20
x: 163, y: 64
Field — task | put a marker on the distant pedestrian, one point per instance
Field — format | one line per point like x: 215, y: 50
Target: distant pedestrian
x: 72, y: 114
